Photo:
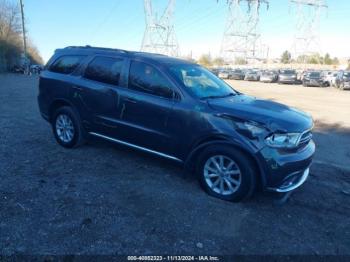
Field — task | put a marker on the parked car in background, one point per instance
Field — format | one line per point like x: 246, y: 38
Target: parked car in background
x: 252, y: 75
x: 225, y: 74
x: 329, y: 78
x: 215, y: 71
x: 300, y: 75
x: 178, y: 110
x: 18, y: 69
x: 269, y: 76
x: 343, y: 80
x: 314, y: 78
x: 238, y: 74
x: 35, y: 69
x: 287, y: 76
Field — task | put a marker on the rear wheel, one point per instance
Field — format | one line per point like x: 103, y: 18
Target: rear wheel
x: 67, y: 128
x: 226, y: 173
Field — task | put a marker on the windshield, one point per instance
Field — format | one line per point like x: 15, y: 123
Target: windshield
x: 315, y: 74
x: 288, y: 72
x: 201, y: 82
x: 347, y: 74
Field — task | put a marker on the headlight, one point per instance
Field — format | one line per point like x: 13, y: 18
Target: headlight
x: 250, y: 129
x: 290, y: 140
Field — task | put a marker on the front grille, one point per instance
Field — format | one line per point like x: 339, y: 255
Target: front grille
x: 305, y: 138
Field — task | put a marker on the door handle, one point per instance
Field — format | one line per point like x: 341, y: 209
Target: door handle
x: 77, y: 88
x: 131, y: 100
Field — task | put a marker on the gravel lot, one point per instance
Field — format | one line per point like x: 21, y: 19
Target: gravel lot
x: 106, y: 199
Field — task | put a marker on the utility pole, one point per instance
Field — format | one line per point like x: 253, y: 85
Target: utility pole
x: 159, y: 36
x: 241, y: 38
x: 24, y: 37
x: 306, y: 39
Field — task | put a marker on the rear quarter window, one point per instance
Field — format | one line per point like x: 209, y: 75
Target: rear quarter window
x: 66, y: 64
x: 105, y: 70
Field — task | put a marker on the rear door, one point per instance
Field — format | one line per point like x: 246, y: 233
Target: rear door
x: 145, y: 107
x: 97, y: 92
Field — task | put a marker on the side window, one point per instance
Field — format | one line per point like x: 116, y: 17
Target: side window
x: 105, y: 69
x: 66, y: 64
x: 147, y: 79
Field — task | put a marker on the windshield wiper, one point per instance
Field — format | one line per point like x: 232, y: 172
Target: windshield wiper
x: 223, y: 96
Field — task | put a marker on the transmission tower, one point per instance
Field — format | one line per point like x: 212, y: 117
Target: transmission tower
x: 306, y: 39
x: 160, y: 34
x: 241, y: 38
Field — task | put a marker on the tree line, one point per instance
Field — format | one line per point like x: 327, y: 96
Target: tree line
x: 11, y: 40
x: 286, y: 58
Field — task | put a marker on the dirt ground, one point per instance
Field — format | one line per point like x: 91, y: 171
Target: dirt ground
x: 106, y: 199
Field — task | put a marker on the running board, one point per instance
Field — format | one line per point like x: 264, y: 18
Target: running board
x: 136, y: 147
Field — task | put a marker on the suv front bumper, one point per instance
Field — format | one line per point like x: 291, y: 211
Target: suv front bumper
x: 292, y: 181
x: 285, y: 171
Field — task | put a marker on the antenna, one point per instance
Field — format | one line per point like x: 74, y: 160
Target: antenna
x: 306, y: 39
x: 241, y: 38
x: 159, y: 36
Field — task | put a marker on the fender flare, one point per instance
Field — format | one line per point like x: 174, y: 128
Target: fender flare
x: 189, y: 165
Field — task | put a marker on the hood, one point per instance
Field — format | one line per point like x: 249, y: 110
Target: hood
x: 275, y: 116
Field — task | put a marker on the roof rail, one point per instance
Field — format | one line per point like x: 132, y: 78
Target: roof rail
x: 98, y: 48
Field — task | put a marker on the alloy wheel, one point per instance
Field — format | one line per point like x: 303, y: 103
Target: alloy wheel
x: 64, y: 128
x: 222, y: 175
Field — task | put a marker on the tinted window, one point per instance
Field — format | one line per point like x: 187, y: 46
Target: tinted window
x: 147, y: 79
x: 347, y: 74
x: 315, y: 74
x: 288, y: 72
x: 66, y: 64
x: 105, y: 69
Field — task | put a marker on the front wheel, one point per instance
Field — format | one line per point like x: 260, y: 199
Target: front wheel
x: 226, y: 173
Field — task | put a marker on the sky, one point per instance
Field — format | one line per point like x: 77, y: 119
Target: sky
x: 199, y: 25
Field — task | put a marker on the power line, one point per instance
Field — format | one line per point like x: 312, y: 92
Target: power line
x: 307, y: 38
x: 159, y: 36
x: 241, y: 37
x: 105, y: 19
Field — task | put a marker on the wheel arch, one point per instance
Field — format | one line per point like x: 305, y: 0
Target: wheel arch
x: 219, y: 140
x: 56, y: 104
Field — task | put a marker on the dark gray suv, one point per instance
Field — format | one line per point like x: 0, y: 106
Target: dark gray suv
x: 178, y: 110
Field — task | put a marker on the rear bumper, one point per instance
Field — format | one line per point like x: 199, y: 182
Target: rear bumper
x: 346, y: 85
x: 235, y: 77
x: 267, y: 80
x: 313, y: 83
x: 287, y: 81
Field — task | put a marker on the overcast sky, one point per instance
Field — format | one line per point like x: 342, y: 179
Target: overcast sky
x: 199, y: 25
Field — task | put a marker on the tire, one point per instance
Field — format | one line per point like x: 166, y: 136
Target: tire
x: 245, y: 182
x: 73, y: 123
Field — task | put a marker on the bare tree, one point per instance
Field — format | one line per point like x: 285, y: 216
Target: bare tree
x: 11, y: 41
